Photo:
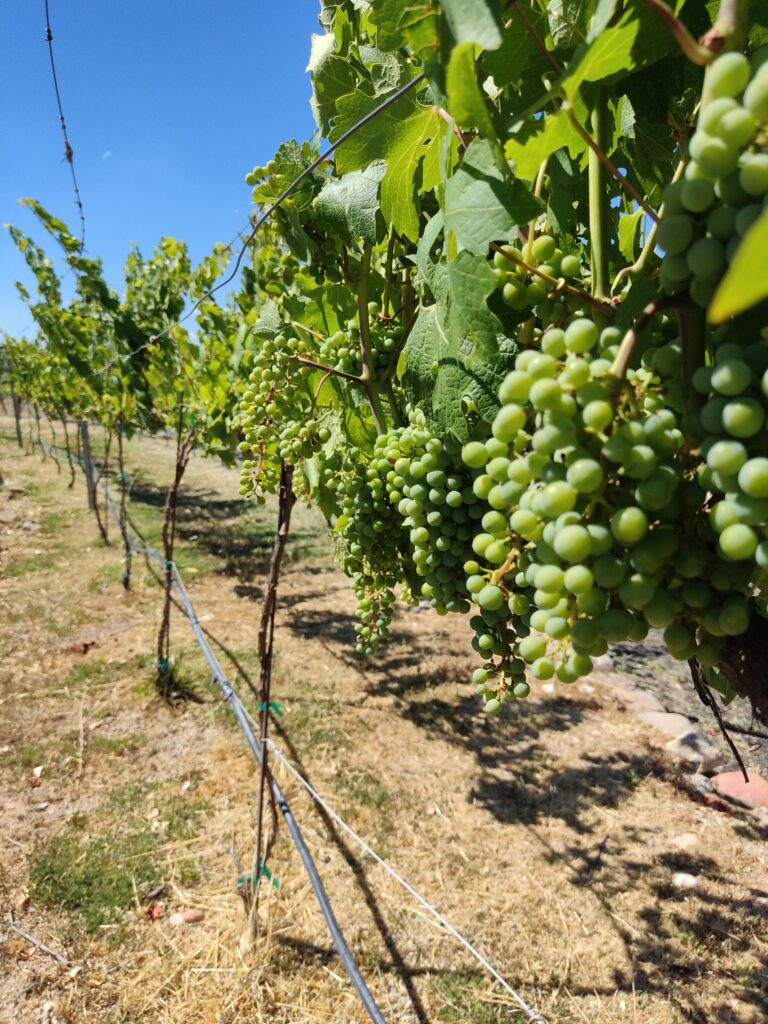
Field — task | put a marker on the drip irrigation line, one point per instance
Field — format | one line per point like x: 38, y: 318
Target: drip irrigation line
x: 533, y: 1016
x: 339, y: 942
x: 247, y: 724
x: 68, y: 151
x: 286, y: 192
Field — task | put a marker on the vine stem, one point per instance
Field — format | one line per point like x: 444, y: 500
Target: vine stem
x: 693, y: 51
x: 599, y: 210
x: 287, y: 499
x: 598, y: 151
x: 560, y: 284
x: 366, y: 353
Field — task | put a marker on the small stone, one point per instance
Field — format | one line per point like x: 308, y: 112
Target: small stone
x: 684, y: 841
x: 751, y: 794
x: 638, y: 700
x: 176, y: 919
x: 700, y: 783
x: 548, y: 688
x: 684, y: 880
x: 602, y: 663
x: 192, y: 916
x: 668, y: 722
x: 695, y: 750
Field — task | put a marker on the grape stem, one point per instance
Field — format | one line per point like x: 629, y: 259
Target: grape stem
x: 331, y: 370
x: 442, y: 112
x: 385, y: 300
x: 628, y: 342
x: 693, y: 51
x: 559, y: 284
x: 649, y: 247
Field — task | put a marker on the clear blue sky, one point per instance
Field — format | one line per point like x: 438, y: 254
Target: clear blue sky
x: 168, y: 104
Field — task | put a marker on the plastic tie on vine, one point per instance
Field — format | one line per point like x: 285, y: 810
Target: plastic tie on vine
x: 273, y: 706
x: 254, y: 877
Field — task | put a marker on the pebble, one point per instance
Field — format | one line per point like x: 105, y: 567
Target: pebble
x: 193, y: 916
x: 684, y: 880
x: 684, y: 841
x: 732, y: 785
x: 697, y: 751
x: 666, y: 721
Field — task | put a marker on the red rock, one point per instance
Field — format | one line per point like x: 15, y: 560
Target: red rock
x: 732, y: 785
x: 192, y: 916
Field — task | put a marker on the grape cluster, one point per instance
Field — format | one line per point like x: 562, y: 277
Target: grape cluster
x: 734, y: 448
x: 523, y: 291
x: 373, y: 540
x: 581, y: 481
x: 724, y: 190
x: 277, y: 393
x: 432, y: 492
x: 341, y: 350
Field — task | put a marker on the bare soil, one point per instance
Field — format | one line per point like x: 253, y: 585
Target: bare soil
x: 550, y: 837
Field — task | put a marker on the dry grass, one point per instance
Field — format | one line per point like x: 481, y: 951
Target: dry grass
x: 549, y: 838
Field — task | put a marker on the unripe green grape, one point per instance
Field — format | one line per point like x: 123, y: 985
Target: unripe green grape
x: 573, y: 544
x: 543, y: 248
x: 614, y: 625
x: 706, y: 257
x: 629, y: 525
x: 746, y: 217
x: 697, y: 195
x: 581, y: 336
x: 753, y: 176
x: 661, y: 609
x: 585, y: 475
x: 490, y: 597
x: 578, y: 579
x: 731, y: 377
x: 721, y: 222
x: 737, y: 128
x: 570, y: 266
x: 545, y: 394
x: 515, y: 387
x: 738, y: 541
x: 714, y: 112
x: 543, y: 668
x: 714, y: 156
x: 756, y: 95
x: 743, y: 417
x: 597, y: 415
x: 728, y: 75
x: 675, y: 234
x: 753, y: 477
x: 734, y: 618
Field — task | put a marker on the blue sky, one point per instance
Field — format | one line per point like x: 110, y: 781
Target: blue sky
x: 168, y: 105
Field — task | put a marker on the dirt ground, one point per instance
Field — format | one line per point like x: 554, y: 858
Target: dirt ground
x: 551, y: 837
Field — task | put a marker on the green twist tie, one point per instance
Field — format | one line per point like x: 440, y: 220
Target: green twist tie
x: 122, y: 476
x: 163, y: 664
x: 263, y: 870
x: 274, y: 706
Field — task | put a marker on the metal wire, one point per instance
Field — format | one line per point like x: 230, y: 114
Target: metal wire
x: 68, y: 151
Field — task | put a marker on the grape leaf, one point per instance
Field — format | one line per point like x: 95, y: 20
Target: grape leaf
x: 628, y: 226
x: 406, y: 136
x: 350, y: 204
x: 539, y: 139
x: 471, y: 281
x: 465, y: 101
x: 746, y: 280
x: 473, y: 21
x: 482, y: 203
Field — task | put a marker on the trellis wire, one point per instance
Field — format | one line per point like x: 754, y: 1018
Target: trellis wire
x: 68, y: 151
